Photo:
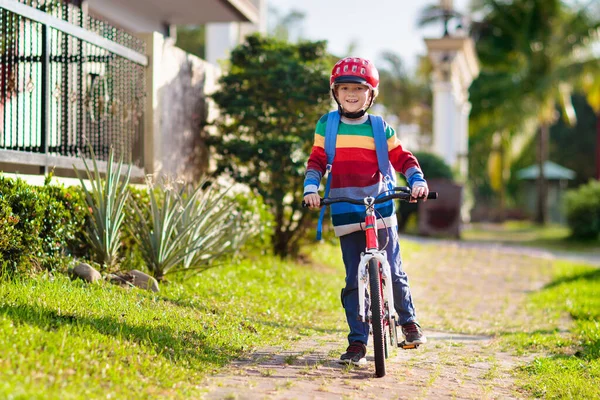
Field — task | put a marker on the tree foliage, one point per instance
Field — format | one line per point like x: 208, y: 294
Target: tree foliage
x: 270, y: 101
x: 532, y: 53
x: 406, y: 95
x: 192, y: 39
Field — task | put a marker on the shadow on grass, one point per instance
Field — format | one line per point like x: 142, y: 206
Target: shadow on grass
x: 273, y: 324
x: 168, y: 343
x: 587, y: 276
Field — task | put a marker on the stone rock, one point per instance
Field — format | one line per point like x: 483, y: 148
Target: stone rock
x: 123, y: 281
x: 86, y: 272
x: 143, y: 281
x: 133, y: 278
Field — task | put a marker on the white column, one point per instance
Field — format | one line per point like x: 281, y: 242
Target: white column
x: 152, y: 133
x: 455, y: 65
x: 444, y: 122
x: 463, y: 139
x: 220, y: 39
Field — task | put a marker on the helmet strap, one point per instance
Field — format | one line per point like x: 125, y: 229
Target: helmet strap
x: 356, y: 114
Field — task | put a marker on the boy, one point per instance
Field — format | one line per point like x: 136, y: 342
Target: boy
x: 355, y: 173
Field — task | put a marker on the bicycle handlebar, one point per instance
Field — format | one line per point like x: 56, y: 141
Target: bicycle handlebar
x: 403, y: 195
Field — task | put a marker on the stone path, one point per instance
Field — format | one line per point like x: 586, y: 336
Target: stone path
x: 465, y: 300
x: 451, y: 366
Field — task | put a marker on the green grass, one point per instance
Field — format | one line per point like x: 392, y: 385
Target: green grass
x: 65, y: 339
x: 526, y: 233
x: 570, y: 367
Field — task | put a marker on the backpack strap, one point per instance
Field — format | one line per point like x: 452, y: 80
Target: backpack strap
x: 333, y: 122
x: 381, y: 148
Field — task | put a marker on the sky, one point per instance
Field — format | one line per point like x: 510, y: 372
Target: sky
x: 374, y: 25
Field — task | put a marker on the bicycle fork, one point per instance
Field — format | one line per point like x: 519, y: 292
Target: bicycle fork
x: 363, y: 282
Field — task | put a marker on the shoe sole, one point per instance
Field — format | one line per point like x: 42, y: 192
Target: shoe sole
x: 361, y: 362
x: 416, y: 342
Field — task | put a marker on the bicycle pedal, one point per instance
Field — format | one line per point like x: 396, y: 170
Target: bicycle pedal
x: 405, y: 346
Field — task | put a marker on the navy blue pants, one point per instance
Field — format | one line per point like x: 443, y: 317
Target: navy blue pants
x: 352, y: 245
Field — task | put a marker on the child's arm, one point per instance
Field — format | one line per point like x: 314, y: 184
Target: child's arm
x: 315, y: 169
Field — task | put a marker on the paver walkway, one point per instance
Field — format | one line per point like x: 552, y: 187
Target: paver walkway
x: 465, y: 299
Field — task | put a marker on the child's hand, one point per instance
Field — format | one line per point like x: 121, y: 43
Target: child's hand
x: 420, y: 190
x: 313, y: 200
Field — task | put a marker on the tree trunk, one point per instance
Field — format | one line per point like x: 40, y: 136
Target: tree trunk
x: 502, y: 206
x: 281, y: 246
x: 542, y: 183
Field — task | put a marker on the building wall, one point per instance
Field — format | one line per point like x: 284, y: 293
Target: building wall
x: 177, y: 110
x: 184, y: 111
x: 123, y: 15
x: 221, y: 38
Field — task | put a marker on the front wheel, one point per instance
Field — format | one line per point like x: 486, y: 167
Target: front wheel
x: 377, y: 318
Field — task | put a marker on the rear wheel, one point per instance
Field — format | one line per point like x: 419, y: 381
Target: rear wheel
x: 377, y: 318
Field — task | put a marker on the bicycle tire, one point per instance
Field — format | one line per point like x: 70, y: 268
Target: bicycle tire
x: 377, y: 318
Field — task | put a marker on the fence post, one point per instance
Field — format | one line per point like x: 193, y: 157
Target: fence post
x: 46, y: 96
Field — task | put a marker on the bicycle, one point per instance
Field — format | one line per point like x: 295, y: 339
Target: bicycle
x: 374, y: 273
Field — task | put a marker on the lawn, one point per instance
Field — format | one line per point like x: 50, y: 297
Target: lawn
x: 63, y: 339
x: 570, y: 368
x: 69, y: 340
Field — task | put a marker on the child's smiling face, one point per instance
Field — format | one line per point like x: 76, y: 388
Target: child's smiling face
x: 353, y: 97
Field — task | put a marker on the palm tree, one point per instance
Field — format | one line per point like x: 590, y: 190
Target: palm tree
x: 533, y: 52
x: 284, y: 25
x: 591, y: 86
x: 442, y: 12
x: 405, y: 95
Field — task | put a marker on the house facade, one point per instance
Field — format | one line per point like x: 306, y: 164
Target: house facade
x: 92, y: 75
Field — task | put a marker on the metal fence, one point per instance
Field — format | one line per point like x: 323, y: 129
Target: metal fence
x: 68, y: 80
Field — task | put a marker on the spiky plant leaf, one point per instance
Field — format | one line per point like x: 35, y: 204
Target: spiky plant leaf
x: 106, y: 199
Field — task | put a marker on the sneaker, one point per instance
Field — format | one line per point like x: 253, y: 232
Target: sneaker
x: 413, y: 333
x: 355, y: 354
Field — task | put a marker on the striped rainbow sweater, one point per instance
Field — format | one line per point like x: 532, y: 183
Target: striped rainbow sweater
x: 355, y: 172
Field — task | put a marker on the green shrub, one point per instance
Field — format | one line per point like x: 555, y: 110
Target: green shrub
x: 39, y: 224
x: 10, y: 237
x: 64, y: 219
x: 433, y: 167
x: 583, y: 210
x: 27, y: 209
x: 258, y: 219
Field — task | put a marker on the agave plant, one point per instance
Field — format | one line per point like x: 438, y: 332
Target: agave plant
x: 106, y: 199
x: 187, y: 229
x: 222, y: 230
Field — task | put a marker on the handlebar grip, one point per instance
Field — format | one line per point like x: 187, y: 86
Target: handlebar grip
x: 304, y: 205
x: 432, y: 195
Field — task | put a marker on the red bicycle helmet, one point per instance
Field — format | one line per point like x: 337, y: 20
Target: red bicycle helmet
x: 355, y: 70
